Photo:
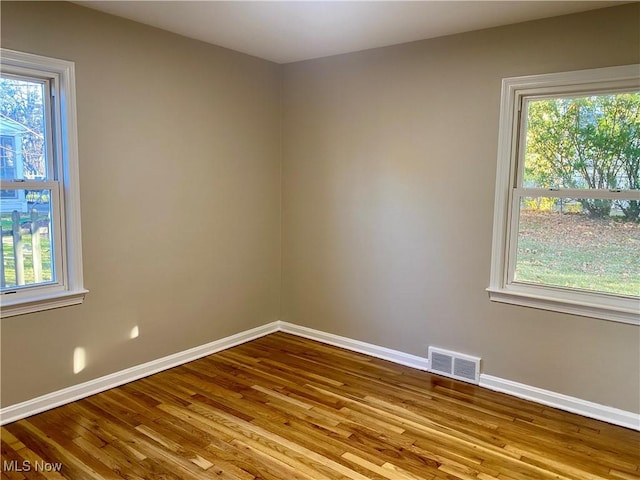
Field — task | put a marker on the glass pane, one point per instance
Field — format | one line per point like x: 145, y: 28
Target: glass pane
x: 22, y: 129
x: 561, y: 244
x: 27, y: 239
x: 583, y: 142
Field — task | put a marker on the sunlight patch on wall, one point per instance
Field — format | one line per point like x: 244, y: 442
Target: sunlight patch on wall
x: 79, y: 359
x: 135, y: 332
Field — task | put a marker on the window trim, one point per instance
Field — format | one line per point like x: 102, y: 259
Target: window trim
x: 69, y: 289
x: 589, y: 304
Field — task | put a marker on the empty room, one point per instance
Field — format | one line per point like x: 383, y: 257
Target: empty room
x: 320, y: 240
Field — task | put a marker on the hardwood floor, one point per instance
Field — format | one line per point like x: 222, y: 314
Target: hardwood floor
x: 286, y: 408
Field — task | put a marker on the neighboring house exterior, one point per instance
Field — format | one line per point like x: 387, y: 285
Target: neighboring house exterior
x: 11, y: 164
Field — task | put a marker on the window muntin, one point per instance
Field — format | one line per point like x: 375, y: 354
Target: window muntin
x: 589, y: 187
x: 41, y: 243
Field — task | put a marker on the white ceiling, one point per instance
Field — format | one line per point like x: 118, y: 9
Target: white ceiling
x: 288, y: 31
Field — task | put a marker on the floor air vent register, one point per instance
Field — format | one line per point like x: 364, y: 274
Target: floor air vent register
x: 455, y: 365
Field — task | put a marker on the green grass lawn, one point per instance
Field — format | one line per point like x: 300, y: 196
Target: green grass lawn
x: 574, y: 251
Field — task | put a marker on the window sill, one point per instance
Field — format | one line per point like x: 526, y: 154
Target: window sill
x: 563, y: 305
x: 37, y: 304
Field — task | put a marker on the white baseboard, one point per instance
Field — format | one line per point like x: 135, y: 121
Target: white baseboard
x: 527, y: 392
x: 562, y: 402
x: 384, y: 353
x: 85, y: 389
x: 520, y: 390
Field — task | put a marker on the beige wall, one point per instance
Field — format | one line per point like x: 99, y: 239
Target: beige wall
x: 388, y: 175
x: 179, y: 147
x: 388, y: 187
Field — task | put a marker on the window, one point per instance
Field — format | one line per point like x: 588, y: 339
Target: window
x: 41, y: 256
x: 566, y: 233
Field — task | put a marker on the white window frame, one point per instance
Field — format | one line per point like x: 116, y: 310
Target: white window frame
x: 64, y: 184
x: 501, y: 287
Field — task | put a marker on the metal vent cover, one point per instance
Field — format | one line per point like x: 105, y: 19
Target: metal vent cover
x: 455, y: 365
x: 441, y: 363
